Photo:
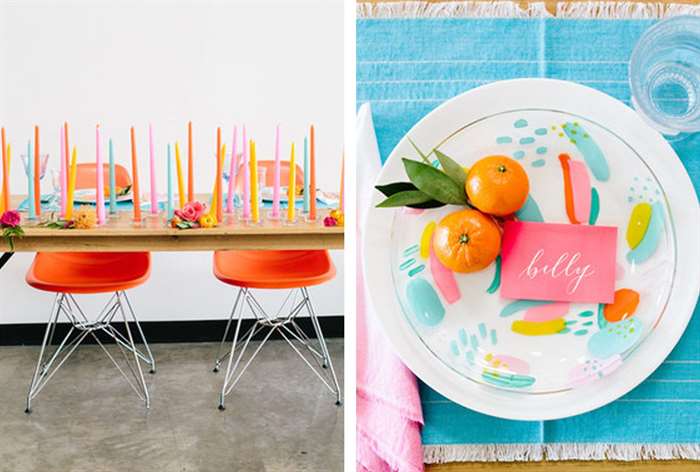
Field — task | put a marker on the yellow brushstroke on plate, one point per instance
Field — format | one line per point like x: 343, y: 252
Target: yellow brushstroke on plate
x: 638, y: 224
x: 531, y: 328
x: 425, y: 240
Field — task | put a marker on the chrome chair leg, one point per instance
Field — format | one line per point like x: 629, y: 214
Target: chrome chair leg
x: 81, y: 327
x: 328, y: 362
x: 290, y: 332
x: 48, y: 333
x: 152, y: 370
x: 136, y: 357
x: 219, y: 358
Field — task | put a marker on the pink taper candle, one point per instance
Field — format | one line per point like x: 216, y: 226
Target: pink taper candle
x: 100, y: 197
x: 276, y: 181
x: 232, y: 171
x: 63, y: 174
x: 152, y: 152
x: 246, y: 179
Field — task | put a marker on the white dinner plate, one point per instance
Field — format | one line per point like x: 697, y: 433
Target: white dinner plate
x: 475, y: 350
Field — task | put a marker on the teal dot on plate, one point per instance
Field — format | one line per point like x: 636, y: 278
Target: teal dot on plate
x: 538, y: 163
x: 541, y: 150
x: 541, y: 131
x: 528, y: 140
x: 519, y: 154
x: 520, y: 123
x: 504, y: 140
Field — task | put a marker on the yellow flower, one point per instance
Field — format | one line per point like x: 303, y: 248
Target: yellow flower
x: 85, y: 217
x: 207, y: 221
x: 338, y: 216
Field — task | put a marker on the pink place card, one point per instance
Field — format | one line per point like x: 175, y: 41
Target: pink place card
x: 558, y: 262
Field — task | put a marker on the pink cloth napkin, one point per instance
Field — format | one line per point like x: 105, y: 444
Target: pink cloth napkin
x: 389, y: 415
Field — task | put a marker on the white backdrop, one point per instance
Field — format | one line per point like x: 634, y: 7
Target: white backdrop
x: 217, y: 63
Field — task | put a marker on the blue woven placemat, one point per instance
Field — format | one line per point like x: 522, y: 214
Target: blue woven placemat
x: 405, y: 68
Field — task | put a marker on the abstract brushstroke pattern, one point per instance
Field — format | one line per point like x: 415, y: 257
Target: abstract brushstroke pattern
x: 496, y: 281
x: 445, y: 279
x: 652, y: 236
x: 424, y: 302
x: 530, y: 211
x: 594, y: 157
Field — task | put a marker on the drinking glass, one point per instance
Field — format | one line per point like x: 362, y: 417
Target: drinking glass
x: 664, y: 75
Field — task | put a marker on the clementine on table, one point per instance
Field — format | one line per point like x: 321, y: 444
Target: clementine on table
x: 497, y: 185
x: 466, y: 241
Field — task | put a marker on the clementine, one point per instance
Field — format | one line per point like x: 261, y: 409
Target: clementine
x: 466, y: 241
x: 497, y: 185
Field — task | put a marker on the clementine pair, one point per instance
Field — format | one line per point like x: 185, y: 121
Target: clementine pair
x: 469, y: 240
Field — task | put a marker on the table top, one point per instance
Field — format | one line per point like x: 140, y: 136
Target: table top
x: 121, y: 233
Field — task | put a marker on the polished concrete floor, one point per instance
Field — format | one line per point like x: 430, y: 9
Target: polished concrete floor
x: 280, y: 417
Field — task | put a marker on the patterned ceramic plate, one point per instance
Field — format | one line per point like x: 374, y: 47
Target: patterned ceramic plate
x: 584, y: 168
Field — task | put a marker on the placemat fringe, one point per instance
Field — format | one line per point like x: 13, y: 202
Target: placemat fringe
x: 440, y: 454
x: 509, y: 9
x: 621, y: 452
x: 459, y: 9
x: 623, y: 10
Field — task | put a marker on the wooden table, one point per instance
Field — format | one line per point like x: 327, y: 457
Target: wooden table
x: 120, y: 233
x: 563, y: 466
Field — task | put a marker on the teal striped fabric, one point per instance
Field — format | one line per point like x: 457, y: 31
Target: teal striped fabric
x: 405, y: 68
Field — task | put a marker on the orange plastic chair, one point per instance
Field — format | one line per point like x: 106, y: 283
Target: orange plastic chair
x: 86, y: 176
x: 69, y: 273
x: 294, y: 270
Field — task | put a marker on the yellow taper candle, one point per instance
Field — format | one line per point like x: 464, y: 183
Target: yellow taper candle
x: 292, y: 188
x: 180, y: 179
x: 71, y: 184
x: 254, y: 183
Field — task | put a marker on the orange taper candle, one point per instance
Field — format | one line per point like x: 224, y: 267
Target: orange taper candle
x: 135, y: 178
x: 37, y: 173
x: 312, y: 177
x: 190, y: 165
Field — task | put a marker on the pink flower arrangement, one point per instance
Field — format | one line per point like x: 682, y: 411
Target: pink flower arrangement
x: 191, y: 212
x: 10, y: 219
x: 10, y: 224
x: 192, y: 215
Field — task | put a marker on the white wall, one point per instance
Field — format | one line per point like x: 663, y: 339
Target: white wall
x: 123, y: 63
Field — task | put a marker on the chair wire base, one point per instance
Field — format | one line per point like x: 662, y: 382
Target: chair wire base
x: 314, y: 353
x: 82, y: 327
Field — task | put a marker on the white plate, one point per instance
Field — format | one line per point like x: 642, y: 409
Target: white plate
x: 466, y: 128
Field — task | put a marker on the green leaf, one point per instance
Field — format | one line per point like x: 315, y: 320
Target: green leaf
x: 420, y: 153
x: 453, y: 170
x: 408, y: 197
x: 389, y: 189
x: 429, y: 204
x: 435, y: 183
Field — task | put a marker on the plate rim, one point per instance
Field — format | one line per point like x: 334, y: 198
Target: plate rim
x: 546, y: 93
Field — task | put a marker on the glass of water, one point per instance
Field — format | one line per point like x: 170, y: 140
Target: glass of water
x: 664, y: 75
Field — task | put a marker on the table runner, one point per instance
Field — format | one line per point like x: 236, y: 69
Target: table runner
x: 407, y: 67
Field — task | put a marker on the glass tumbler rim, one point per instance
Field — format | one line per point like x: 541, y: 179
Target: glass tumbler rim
x: 666, y: 123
